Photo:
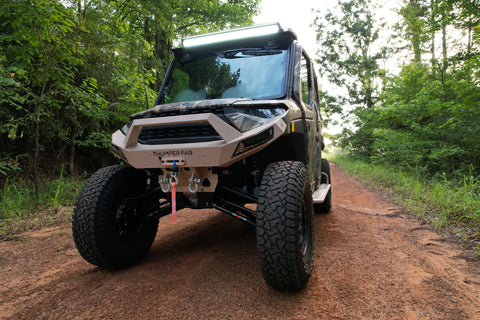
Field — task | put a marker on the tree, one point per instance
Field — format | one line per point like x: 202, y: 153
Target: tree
x: 348, y: 56
x: 413, y: 26
x: 73, y: 71
x: 39, y: 44
x: 163, y: 23
x: 428, y: 116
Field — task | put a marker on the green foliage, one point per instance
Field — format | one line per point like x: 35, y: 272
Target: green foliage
x: 18, y: 200
x: 21, y: 209
x: 56, y: 198
x: 39, y: 43
x: 428, y: 116
x: 7, y: 164
x: 413, y: 26
x: 161, y: 24
x: 72, y: 72
x: 424, y: 123
x: 348, y: 54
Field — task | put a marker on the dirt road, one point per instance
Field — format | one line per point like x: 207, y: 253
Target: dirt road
x: 372, y: 261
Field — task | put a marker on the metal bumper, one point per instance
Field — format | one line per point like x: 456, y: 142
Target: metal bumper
x: 219, y: 153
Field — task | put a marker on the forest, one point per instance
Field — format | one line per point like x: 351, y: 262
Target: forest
x: 413, y: 132
x: 73, y: 71
x: 425, y: 117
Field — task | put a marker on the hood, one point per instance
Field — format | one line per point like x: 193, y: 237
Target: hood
x: 204, y: 106
x: 179, y: 108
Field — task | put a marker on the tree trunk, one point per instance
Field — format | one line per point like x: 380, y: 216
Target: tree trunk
x: 163, y: 47
x: 71, y: 162
x: 444, y: 44
x: 434, y: 29
x: 444, y: 40
x: 37, y: 127
x: 469, y: 44
x: 37, y: 147
x: 416, y: 42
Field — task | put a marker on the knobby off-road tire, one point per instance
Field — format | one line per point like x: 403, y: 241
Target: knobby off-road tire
x: 105, y: 233
x: 327, y: 204
x: 285, y: 225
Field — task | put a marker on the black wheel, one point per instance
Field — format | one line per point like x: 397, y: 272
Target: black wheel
x: 106, y: 232
x: 327, y: 204
x: 285, y: 225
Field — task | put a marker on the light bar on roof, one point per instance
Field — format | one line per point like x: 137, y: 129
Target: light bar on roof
x: 216, y: 37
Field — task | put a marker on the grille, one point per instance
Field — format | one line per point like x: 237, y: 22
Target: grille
x: 173, y: 134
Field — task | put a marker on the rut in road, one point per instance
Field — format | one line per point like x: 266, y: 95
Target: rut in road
x: 372, y: 261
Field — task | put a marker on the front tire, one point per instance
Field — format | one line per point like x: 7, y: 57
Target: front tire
x: 106, y: 232
x: 285, y: 225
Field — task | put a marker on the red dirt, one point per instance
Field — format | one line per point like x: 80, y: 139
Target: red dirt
x: 372, y: 261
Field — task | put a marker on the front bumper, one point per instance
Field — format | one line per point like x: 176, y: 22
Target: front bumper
x: 233, y: 145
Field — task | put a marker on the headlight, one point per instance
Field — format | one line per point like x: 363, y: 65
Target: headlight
x: 246, y: 119
x: 125, y: 128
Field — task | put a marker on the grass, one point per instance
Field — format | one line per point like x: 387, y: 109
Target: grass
x: 21, y: 209
x: 452, y: 206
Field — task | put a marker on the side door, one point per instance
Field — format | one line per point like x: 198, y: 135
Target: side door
x: 310, y: 103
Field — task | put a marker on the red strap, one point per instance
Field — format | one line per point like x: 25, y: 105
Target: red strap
x: 174, y: 203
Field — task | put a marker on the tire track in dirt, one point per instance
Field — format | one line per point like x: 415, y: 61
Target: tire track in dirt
x: 372, y: 261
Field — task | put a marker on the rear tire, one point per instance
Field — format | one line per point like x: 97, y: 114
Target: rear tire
x: 326, y: 206
x: 285, y: 225
x: 106, y: 233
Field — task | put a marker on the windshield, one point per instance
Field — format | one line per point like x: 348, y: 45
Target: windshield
x: 241, y: 73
